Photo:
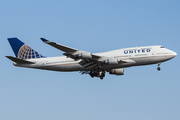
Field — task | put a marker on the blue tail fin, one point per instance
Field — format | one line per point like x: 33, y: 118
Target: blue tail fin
x: 22, y: 51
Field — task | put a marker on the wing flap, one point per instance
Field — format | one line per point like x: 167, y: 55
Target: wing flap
x: 88, y: 64
x: 19, y: 61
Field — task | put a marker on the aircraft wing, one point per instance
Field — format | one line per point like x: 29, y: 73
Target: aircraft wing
x: 59, y: 46
x: 88, y: 60
x: 71, y: 52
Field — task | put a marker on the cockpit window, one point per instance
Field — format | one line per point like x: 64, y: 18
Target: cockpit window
x: 162, y: 47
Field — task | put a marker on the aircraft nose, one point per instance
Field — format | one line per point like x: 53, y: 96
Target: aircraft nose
x: 174, y: 54
x: 171, y: 55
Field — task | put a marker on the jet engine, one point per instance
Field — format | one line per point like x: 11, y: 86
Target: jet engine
x: 85, y: 55
x: 111, y: 61
x: 117, y: 72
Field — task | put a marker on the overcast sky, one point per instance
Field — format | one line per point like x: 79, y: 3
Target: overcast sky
x: 142, y: 93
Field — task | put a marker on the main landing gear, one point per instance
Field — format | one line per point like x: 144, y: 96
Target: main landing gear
x: 159, y: 67
x: 97, y: 73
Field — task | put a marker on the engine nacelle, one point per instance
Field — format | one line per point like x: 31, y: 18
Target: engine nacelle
x: 117, y: 71
x: 85, y: 55
x: 111, y: 61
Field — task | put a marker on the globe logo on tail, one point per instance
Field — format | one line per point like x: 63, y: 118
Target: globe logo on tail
x: 25, y: 52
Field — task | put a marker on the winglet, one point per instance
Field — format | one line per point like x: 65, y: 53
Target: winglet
x: 44, y: 40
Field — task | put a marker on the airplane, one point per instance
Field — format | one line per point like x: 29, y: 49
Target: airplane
x: 94, y: 64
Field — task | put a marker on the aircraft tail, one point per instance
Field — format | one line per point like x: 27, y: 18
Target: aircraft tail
x: 22, y: 51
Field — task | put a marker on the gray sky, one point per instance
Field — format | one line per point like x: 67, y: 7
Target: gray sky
x: 142, y: 93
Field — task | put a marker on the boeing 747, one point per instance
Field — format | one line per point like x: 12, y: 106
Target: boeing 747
x: 94, y: 64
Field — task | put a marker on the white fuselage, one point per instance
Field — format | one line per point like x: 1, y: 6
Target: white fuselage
x: 139, y: 55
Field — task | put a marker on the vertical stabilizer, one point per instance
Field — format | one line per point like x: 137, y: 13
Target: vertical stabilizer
x: 23, y: 51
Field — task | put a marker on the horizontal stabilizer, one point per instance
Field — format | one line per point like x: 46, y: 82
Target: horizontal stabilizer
x: 19, y: 61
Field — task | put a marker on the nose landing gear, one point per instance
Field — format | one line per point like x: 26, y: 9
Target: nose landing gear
x: 159, y: 67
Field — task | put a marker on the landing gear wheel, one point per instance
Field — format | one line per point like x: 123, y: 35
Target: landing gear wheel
x: 103, y: 75
x: 158, y: 68
x: 91, y: 75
